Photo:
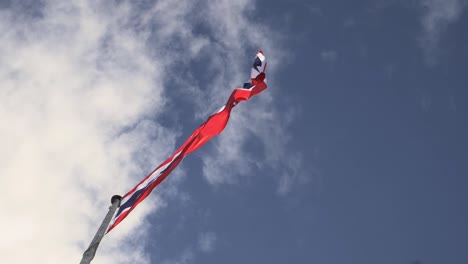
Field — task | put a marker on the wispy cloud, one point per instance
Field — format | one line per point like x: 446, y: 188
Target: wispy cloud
x: 186, y: 257
x: 294, y: 174
x: 438, y: 15
x: 206, y: 241
x: 260, y: 121
x: 226, y: 45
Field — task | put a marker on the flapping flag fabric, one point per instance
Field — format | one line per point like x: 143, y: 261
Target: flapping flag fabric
x: 212, y: 127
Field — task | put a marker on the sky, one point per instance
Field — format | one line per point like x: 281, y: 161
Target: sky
x: 356, y: 152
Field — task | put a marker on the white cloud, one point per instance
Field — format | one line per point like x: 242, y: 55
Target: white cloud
x: 72, y: 79
x: 206, y: 241
x: 438, y: 15
x: 81, y: 85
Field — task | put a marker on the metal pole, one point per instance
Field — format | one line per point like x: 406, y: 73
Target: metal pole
x: 88, y: 255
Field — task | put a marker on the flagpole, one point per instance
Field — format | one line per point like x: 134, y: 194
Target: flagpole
x: 88, y: 255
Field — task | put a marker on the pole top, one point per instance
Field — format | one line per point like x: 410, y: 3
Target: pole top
x: 116, y: 198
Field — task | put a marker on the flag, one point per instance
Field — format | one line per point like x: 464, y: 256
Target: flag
x: 213, y: 126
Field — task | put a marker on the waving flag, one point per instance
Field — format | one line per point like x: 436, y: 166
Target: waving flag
x: 212, y: 127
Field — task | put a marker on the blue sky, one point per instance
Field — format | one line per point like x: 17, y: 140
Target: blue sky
x: 356, y: 153
x: 380, y: 127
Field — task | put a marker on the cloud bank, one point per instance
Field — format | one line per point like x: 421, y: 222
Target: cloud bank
x: 77, y: 85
